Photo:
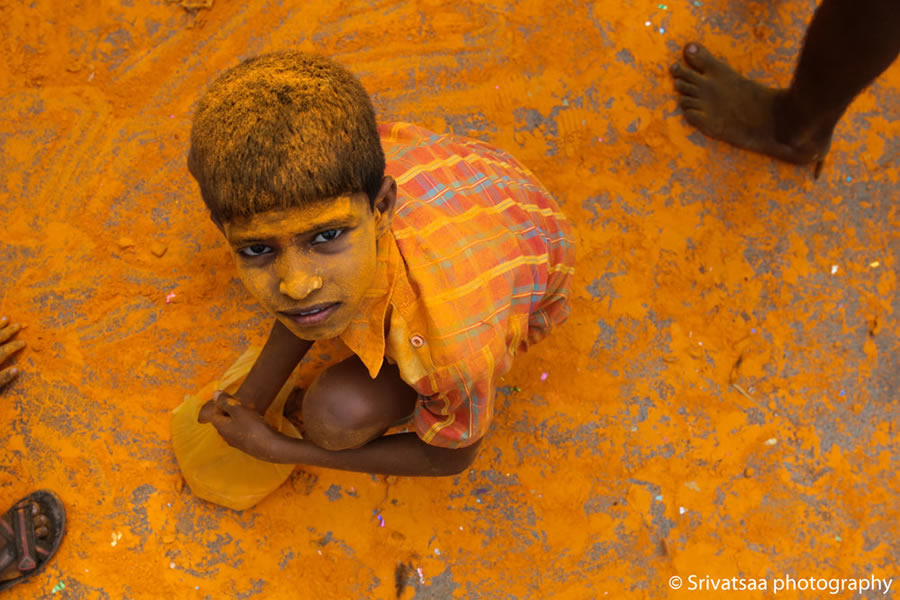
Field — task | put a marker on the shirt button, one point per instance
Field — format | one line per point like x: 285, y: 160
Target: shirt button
x: 416, y: 340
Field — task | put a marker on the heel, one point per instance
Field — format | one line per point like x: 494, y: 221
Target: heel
x: 818, y: 168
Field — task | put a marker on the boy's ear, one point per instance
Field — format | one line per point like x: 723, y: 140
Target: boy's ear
x: 385, y: 202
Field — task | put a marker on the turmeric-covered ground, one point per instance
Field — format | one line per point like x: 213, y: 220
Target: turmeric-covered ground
x: 722, y: 402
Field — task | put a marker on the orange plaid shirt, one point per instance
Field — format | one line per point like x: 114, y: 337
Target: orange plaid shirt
x: 477, y: 267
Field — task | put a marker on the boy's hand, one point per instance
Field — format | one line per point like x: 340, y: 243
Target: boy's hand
x: 240, y: 427
x: 7, y: 349
x: 209, y: 408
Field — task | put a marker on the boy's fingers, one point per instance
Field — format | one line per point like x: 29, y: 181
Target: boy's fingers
x: 223, y: 424
x: 8, y: 332
x: 7, y: 375
x: 219, y: 420
x: 225, y: 402
x: 6, y: 350
x: 241, y: 413
x: 208, y: 411
x: 205, y: 412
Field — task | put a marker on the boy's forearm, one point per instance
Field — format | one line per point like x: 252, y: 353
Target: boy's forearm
x: 281, y: 354
x: 402, y: 454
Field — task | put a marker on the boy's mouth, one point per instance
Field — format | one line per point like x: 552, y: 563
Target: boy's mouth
x: 312, y: 315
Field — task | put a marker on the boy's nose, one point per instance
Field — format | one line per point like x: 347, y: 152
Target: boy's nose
x: 299, y: 287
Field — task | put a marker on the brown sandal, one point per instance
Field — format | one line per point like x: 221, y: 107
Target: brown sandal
x: 29, y: 553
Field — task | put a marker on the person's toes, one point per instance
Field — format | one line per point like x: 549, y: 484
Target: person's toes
x: 698, y: 119
x: 41, y: 521
x: 686, y: 88
x: 683, y: 73
x: 698, y: 58
x: 690, y: 102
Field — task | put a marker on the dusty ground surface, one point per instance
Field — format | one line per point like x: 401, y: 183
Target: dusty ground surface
x: 701, y: 270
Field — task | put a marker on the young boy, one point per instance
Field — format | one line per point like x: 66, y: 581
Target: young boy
x: 428, y: 273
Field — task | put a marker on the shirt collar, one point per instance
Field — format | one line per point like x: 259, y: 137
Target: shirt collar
x: 365, y: 333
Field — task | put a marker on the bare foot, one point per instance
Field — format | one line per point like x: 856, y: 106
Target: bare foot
x: 725, y: 105
x: 41, y: 523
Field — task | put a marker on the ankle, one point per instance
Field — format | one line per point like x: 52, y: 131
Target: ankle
x: 799, y: 125
x: 793, y: 122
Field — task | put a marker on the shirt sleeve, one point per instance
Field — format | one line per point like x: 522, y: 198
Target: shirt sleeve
x: 458, y: 417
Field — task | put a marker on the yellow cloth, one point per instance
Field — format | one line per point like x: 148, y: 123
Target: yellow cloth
x: 214, y: 470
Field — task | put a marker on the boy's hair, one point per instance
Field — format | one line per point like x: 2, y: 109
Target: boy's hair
x: 283, y: 130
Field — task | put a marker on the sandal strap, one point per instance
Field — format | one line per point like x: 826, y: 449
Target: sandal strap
x: 6, y: 530
x: 7, y: 557
x: 8, y: 554
x: 23, y: 524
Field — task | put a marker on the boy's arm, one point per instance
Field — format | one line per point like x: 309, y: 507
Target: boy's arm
x: 401, y: 454
x: 278, y: 359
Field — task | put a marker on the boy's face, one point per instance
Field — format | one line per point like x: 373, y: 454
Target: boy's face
x: 311, y: 267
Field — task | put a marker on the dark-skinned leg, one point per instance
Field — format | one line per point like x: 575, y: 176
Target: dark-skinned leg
x: 849, y: 43
x: 344, y: 408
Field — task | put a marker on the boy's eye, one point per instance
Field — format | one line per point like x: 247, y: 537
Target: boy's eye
x: 254, y: 250
x: 327, y: 236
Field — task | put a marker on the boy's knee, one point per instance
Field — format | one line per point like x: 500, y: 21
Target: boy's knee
x: 336, y: 416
